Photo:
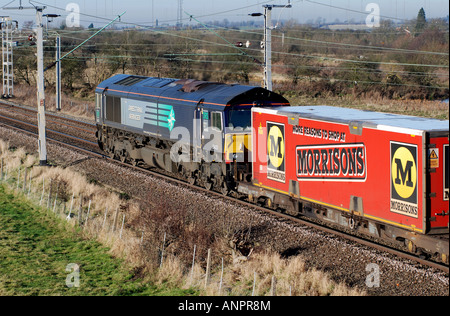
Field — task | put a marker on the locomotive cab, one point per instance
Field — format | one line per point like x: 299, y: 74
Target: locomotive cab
x: 238, y: 135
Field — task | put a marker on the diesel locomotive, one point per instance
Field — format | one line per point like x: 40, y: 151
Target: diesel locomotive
x: 199, y: 130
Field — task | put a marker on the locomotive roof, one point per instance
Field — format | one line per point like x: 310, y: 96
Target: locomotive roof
x: 214, y: 95
x: 367, y: 118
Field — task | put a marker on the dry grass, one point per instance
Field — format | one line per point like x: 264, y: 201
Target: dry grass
x: 292, y: 275
x: 254, y: 277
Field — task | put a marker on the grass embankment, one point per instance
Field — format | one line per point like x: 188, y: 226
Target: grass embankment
x: 36, y: 249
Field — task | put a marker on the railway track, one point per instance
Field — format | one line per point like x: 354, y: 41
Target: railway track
x: 58, y: 127
x: 90, y: 148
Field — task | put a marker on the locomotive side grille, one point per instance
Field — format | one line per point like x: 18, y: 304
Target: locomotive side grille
x: 113, y: 109
x: 130, y: 81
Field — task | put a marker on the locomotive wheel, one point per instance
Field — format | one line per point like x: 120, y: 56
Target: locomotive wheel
x: 133, y: 162
x: 112, y: 154
x: 225, y: 190
x: 192, y: 180
x: 123, y: 158
x: 207, y: 184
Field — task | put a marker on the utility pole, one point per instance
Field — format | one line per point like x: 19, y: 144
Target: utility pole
x: 58, y: 73
x: 41, y: 87
x: 42, y: 144
x: 268, y: 47
x: 7, y: 27
x: 268, y: 41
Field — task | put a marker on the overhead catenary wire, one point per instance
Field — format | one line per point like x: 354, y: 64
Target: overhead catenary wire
x: 305, y: 77
x: 352, y: 46
x: 190, y: 38
x: 365, y: 82
x: 306, y: 56
x: 176, y: 57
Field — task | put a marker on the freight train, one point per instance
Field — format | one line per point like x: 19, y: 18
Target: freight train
x: 380, y: 174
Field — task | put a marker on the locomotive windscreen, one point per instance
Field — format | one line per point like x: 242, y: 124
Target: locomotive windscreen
x: 240, y: 119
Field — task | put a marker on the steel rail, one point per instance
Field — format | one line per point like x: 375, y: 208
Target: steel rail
x: 50, y: 114
x: 49, y: 130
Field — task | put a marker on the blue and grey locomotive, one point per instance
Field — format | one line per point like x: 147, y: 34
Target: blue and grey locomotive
x: 197, y: 129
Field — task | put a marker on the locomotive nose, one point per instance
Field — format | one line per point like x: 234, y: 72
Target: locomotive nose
x: 238, y: 147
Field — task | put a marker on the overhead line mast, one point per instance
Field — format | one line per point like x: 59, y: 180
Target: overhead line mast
x: 268, y: 83
x: 41, y: 70
x: 180, y: 14
x: 7, y: 27
x: 40, y: 79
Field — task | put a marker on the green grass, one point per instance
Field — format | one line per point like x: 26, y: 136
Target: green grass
x: 36, y: 248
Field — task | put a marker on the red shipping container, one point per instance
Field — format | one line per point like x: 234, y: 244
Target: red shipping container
x: 391, y: 169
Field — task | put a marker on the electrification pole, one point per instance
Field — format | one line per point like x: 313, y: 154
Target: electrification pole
x: 41, y: 87
x: 58, y: 73
x: 268, y: 42
x: 40, y: 71
x: 7, y: 28
x: 268, y: 47
x: 42, y: 144
x: 180, y: 14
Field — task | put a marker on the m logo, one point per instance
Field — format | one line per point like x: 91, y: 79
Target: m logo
x: 276, y: 149
x: 404, y: 175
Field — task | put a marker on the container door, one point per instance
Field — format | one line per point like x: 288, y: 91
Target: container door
x: 437, y: 188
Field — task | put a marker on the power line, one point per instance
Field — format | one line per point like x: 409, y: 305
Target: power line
x: 324, y: 79
x: 376, y: 48
x: 283, y: 53
x: 330, y: 58
x: 247, y: 63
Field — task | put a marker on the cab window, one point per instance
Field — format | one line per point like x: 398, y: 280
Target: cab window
x: 216, y: 121
x: 240, y: 120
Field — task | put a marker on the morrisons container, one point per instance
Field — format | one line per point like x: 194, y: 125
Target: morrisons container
x: 381, y: 172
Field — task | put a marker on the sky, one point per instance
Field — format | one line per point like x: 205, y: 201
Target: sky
x: 166, y: 11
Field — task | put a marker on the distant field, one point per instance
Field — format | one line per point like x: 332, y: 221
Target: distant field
x: 36, y: 249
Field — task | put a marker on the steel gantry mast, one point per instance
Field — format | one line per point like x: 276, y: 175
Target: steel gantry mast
x: 180, y: 14
x: 7, y: 27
